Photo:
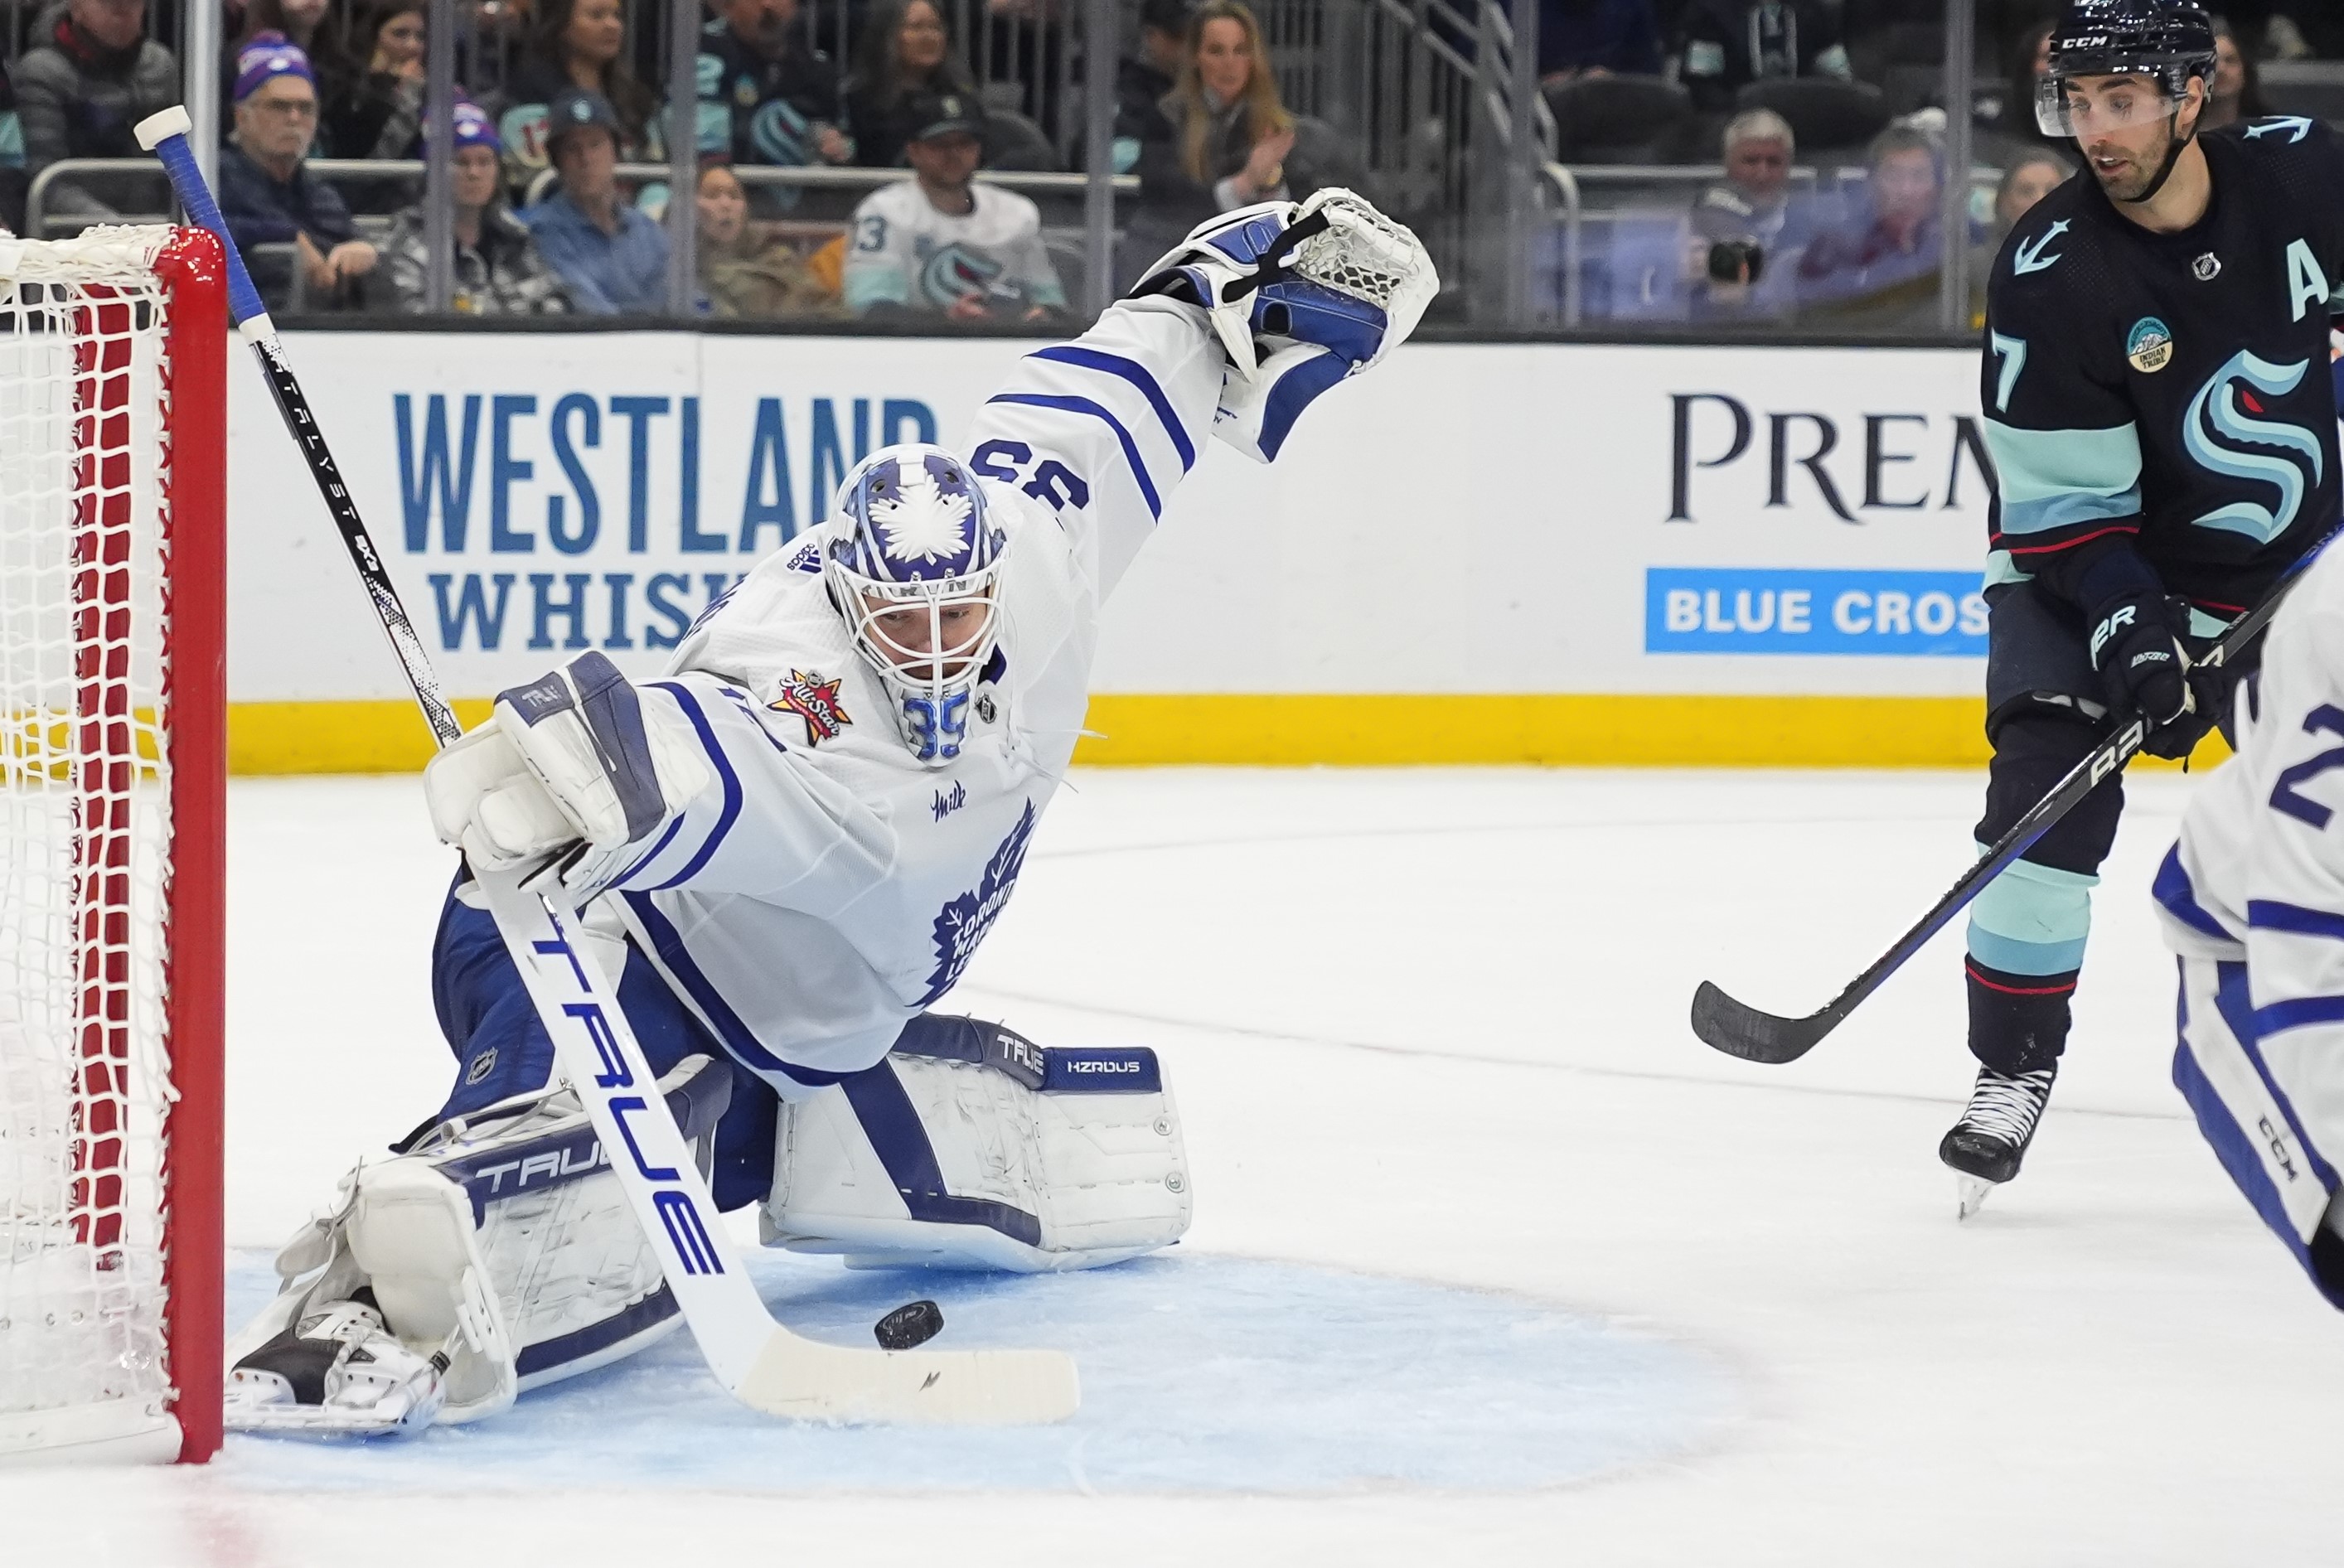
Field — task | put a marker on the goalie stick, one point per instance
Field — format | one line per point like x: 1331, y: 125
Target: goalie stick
x: 759, y: 1363
x: 1741, y: 1030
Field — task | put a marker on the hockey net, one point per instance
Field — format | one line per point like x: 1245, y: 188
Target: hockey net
x: 112, y: 763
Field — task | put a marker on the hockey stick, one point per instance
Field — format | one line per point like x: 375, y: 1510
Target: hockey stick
x: 1741, y: 1030
x: 760, y: 1363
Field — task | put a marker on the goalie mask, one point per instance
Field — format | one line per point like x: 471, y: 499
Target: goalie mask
x: 914, y: 565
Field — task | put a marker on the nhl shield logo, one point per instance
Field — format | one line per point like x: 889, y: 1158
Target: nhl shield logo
x: 2150, y: 346
x: 814, y: 701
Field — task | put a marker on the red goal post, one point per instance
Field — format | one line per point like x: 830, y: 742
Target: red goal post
x: 113, y: 781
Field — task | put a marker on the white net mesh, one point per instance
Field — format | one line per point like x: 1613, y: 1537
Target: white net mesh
x: 83, y: 839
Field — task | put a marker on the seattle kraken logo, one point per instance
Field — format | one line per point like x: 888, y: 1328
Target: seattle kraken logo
x: 962, y: 924
x: 955, y: 272
x: 2217, y: 428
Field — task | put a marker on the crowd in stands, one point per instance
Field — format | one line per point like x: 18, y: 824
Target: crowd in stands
x: 558, y: 98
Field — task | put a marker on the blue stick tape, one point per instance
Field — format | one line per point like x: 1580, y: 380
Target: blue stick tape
x: 188, y: 180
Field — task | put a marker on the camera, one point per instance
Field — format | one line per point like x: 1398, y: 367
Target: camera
x: 1735, y: 261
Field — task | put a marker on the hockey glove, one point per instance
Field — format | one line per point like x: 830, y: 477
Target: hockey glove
x: 576, y: 759
x: 2137, y: 652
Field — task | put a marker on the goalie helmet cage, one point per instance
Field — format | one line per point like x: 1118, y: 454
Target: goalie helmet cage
x: 113, y: 776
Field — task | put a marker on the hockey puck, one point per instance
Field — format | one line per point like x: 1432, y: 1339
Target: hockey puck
x: 914, y: 1323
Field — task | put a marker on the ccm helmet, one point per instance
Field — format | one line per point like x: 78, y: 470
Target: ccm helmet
x: 2166, y: 41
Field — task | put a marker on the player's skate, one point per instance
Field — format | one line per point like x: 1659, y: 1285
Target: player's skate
x: 340, y: 1371
x: 1986, y: 1146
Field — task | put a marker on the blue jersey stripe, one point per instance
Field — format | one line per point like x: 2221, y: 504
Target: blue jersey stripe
x: 2297, y: 1013
x: 2173, y: 890
x: 1139, y: 376
x: 667, y: 950
x: 1097, y: 411
x: 2271, y: 915
x: 730, y: 813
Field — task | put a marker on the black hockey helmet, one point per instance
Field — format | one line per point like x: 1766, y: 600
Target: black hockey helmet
x: 2167, y: 41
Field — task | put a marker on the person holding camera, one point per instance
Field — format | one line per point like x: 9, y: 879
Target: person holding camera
x: 1747, y: 231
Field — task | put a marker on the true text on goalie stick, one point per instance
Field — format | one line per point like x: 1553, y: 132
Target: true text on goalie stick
x: 1741, y: 1030
x: 758, y: 1361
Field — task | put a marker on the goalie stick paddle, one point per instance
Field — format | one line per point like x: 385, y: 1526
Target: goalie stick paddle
x: 759, y: 1363
x: 1742, y: 1030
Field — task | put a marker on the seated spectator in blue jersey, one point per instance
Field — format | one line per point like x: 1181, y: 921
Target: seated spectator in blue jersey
x: 577, y: 46
x: 1597, y: 38
x: 767, y: 95
x: 497, y: 269
x: 1223, y: 138
x: 905, y: 56
x: 80, y: 90
x: 286, y: 223
x: 1879, y: 273
x: 1749, y: 232
x: 609, y: 254
x: 1723, y: 46
x: 942, y: 244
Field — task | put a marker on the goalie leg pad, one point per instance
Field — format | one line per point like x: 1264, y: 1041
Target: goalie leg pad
x: 501, y: 1243
x: 969, y: 1147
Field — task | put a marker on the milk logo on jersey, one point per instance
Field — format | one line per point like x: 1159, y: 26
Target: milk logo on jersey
x: 816, y: 701
x: 2150, y: 345
x: 2224, y: 433
x: 953, y: 272
x: 945, y: 804
x: 963, y: 923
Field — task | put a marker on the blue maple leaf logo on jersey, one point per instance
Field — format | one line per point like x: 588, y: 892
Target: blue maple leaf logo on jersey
x: 963, y: 923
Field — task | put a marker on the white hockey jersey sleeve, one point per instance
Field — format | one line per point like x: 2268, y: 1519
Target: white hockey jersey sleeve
x: 1101, y: 430
x: 2252, y: 899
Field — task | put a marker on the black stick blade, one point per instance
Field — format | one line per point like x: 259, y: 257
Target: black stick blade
x: 1741, y: 1030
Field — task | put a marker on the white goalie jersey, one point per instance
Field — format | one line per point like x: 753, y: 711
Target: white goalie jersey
x: 828, y: 886
x: 2252, y: 899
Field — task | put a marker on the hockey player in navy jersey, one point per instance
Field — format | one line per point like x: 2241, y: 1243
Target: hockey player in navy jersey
x: 2158, y: 399
x: 791, y: 847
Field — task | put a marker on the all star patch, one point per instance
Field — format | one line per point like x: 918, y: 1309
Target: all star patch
x: 814, y: 701
x: 2150, y: 346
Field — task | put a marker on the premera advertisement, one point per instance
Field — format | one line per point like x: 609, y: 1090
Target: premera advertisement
x: 1520, y: 541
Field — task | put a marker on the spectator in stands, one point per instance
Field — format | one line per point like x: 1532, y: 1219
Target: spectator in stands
x: 743, y: 273
x: 1881, y: 273
x: 765, y: 96
x: 81, y: 89
x: 13, y: 181
x: 610, y: 255
x: 1142, y: 80
x: 2014, y: 129
x: 303, y: 23
x: 942, y: 243
x: 2235, y: 95
x: 1749, y: 232
x: 1222, y: 139
x: 496, y: 268
x: 906, y: 56
x: 377, y: 111
x: 1723, y: 46
x: 2031, y: 177
x: 268, y: 199
x: 578, y: 46
x: 1597, y: 38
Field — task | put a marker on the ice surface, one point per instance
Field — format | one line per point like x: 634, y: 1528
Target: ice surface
x: 1201, y: 1373
x: 1425, y: 1027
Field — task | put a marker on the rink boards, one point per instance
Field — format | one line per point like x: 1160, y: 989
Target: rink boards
x: 1480, y: 553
